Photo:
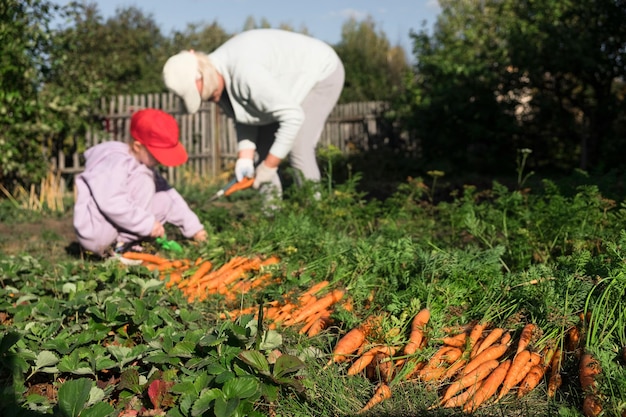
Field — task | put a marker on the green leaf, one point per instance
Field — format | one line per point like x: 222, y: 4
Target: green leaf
x: 287, y: 364
x: 45, y: 358
x: 244, y: 387
x: 183, y: 349
x: 8, y: 340
x: 73, y: 364
x: 101, y: 409
x: 271, y: 340
x: 255, y: 359
x: 203, y: 403
x: 226, y: 408
x: 73, y: 395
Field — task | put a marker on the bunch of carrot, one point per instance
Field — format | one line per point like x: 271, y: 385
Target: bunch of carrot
x: 472, y: 365
x: 310, y: 309
x: 198, y: 280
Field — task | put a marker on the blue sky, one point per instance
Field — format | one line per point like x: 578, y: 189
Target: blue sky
x: 322, y: 18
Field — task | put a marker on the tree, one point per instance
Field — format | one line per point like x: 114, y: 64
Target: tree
x: 499, y: 75
x: 374, y: 69
x: 24, y: 45
x: 576, y: 60
x: 205, y: 38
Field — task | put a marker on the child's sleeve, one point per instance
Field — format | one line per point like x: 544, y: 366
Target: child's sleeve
x: 174, y: 209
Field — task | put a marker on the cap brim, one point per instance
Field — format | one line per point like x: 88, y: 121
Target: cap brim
x: 170, y: 157
x: 192, y: 100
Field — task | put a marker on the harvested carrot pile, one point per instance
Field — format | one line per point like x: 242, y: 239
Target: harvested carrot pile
x: 198, y: 280
x: 310, y: 310
x: 470, y: 366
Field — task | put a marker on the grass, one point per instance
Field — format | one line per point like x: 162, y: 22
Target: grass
x: 543, y: 254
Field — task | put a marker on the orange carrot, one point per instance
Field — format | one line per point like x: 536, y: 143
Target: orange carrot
x: 489, y: 340
x: 319, y: 324
x: 175, y: 277
x: 436, y: 367
x: 555, y: 379
x: 385, y: 367
x: 475, y: 335
x: 417, y: 331
x: 382, y: 393
x: 165, y: 265
x: 467, y: 380
x: 146, y: 257
x: 203, y: 268
x: 573, y: 339
x: 525, y: 336
x: 347, y: 345
x: 456, y: 340
x: 321, y: 304
x: 531, y: 380
x: 309, y: 322
x: 493, y: 352
x: 246, y: 182
x: 592, y: 406
x: 488, y: 388
x: 522, y: 362
x: 315, y: 288
x: 454, y: 368
x: 460, y: 399
x: 439, y: 356
x: 366, y: 358
x: 270, y: 260
x: 588, y: 369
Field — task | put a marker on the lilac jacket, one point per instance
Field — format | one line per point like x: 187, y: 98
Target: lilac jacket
x: 118, y: 198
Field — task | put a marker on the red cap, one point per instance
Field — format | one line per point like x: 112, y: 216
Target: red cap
x: 158, y: 131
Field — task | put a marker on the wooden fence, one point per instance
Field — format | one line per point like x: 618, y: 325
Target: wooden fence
x: 209, y: 136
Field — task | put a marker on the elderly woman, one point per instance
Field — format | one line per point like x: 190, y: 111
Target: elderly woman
x: 278, y: 86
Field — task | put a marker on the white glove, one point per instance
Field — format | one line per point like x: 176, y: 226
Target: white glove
x: 263, y: 174
x: 244, y: 167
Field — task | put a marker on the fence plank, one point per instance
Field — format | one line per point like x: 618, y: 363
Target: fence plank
x: 209, y: 136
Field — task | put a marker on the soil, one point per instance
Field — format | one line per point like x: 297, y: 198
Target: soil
x: 53, y: 237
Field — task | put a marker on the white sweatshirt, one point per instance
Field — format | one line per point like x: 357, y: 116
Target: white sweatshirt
x: 267, y: 74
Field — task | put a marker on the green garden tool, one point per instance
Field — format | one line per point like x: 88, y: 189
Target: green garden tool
x: 169, y: 244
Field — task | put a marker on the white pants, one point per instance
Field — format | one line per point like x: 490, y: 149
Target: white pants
x: 317, y: 105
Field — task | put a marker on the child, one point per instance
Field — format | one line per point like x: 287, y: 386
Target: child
x: 121, y: 198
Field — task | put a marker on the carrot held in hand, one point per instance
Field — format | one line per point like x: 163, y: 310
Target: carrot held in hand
x: 246, y: 182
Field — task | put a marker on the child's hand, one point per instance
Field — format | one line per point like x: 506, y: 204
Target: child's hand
x: 201, y: 236
x: 157, y: 229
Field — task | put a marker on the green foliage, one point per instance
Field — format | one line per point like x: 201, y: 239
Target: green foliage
x: 495, y: 76
x: 508, y: 256
x: 374, y: 69
x: 25, y: 41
